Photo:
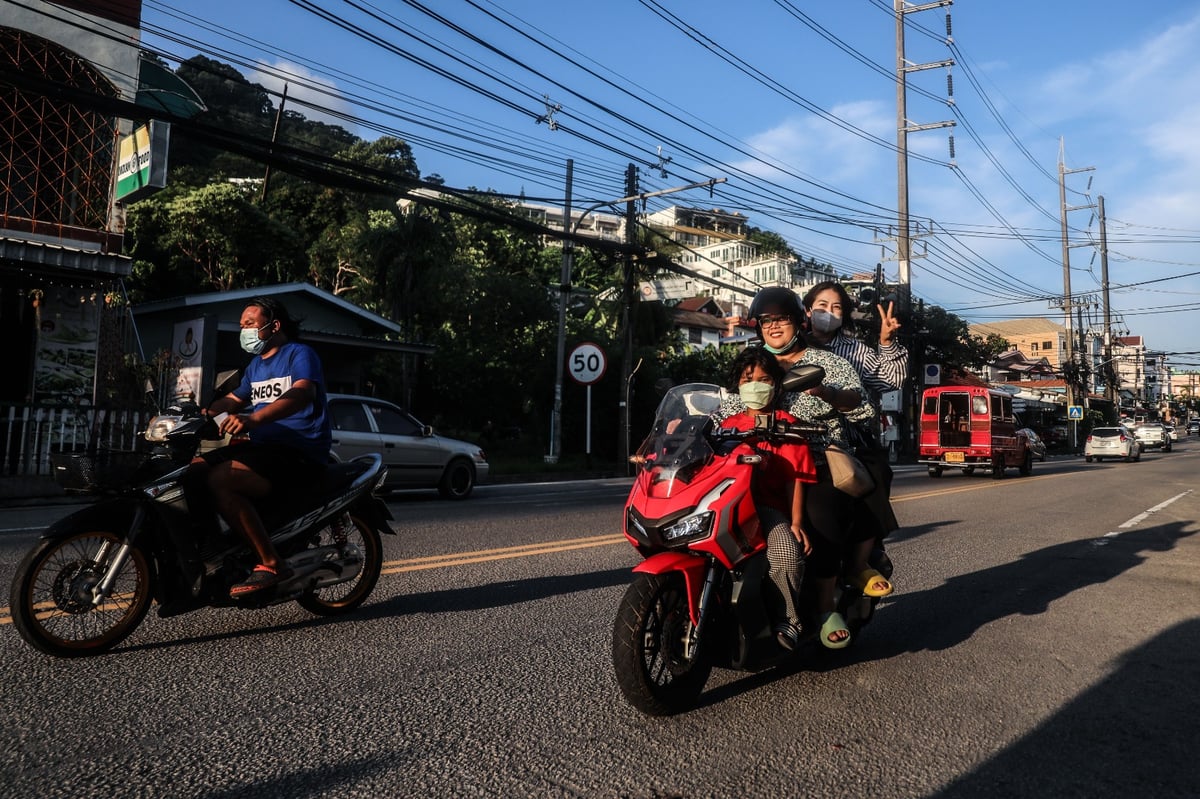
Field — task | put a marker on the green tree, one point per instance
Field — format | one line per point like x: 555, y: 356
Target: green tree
x: 945, y: 338
x: 210, y: 238
x: 770, y: 243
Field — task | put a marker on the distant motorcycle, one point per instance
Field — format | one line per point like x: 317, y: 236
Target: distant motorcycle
x: 89, y: 581
x: 696, y: 601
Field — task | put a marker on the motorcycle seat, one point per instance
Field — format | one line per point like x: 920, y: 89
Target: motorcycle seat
x: 339, y: 475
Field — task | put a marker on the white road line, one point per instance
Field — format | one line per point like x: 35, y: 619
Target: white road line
x: 1142, y: 516
x: 1136, y: 520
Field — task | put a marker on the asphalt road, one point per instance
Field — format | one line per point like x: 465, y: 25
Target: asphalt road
x: 1043, y: 642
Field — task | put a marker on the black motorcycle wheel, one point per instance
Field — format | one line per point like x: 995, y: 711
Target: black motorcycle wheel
x: 652, y: 625
x: 51, y: 595
x: 345, y: 597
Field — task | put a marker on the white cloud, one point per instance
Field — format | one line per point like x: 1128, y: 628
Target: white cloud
x: 307, y: 92
x: 819, y: 149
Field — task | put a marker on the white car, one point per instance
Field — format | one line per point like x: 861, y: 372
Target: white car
x: 1111, y: 442
x: 1170, y: 428
x: 416, y: 457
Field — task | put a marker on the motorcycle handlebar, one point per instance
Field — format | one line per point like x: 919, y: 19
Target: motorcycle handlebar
x: 801, y: 431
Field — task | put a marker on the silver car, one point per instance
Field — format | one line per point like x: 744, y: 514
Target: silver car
x: 1111, y: 442
x: 416, y: 457
x: 1152, y: 435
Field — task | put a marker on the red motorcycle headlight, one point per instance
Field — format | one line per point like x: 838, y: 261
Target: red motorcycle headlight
x: 696, y: 526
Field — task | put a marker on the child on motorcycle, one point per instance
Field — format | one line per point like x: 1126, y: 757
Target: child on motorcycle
x: 779, y: 493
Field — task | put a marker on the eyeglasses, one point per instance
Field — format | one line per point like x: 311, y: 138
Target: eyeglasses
x: 766, y: 320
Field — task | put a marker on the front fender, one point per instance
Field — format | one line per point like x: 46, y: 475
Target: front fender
x: 112, y: 515
x: 693, y: 568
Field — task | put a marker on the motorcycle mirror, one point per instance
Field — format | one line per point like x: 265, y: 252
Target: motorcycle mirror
x: 803, y: 377
x: 226, y: 381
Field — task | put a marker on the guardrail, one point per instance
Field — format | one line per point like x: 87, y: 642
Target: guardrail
x: 29, y: 433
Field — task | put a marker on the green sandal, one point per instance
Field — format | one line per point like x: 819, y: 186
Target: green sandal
x: 832, y: 624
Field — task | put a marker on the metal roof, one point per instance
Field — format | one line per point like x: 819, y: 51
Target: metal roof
x: 68, y: 261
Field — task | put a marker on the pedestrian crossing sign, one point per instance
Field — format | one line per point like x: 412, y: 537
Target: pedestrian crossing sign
x: 1074, y: 411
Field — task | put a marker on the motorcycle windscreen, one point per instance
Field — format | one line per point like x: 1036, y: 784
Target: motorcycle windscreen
x: 677, y: 447
x: 673, y: 457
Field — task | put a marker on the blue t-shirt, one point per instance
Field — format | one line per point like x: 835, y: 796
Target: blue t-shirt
x: 268, y: 379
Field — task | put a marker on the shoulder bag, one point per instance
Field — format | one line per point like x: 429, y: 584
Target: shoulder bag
x: 849, y: 474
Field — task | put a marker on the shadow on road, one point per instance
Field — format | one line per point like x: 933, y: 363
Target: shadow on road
x: 1132, y: 735
x: 951, y: 613
x: 492, y: 595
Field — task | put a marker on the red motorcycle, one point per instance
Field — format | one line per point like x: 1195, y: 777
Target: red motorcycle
x: 696, y: 601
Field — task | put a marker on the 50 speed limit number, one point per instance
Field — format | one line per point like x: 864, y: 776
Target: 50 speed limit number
x: 587, y: 363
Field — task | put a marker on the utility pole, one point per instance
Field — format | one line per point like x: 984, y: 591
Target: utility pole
x: 274, y: 138
x: 1069, y: 373
x: 564, y: 296
x: 627, y: 287
x: 903, y: 228
x: 1110, y: 389
x: 903, y: 127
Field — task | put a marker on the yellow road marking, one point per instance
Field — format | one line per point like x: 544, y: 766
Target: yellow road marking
x: 980, y: 486
x: 486, y: 555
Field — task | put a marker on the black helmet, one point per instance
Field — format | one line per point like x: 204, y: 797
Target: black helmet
x: 777, y: 297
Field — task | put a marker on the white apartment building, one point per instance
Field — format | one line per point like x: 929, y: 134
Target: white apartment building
x: 725, y: 265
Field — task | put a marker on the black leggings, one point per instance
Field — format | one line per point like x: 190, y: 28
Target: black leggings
x: 829, y: 520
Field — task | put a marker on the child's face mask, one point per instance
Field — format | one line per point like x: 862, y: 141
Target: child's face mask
x: 755, y: 395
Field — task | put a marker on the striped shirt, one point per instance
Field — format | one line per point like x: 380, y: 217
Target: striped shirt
x: 881, y: 370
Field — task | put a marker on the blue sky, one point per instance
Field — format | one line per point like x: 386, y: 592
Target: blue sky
x: 795, y: 105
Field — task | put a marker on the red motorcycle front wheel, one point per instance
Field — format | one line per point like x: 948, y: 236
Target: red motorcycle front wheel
x: 654, y: 670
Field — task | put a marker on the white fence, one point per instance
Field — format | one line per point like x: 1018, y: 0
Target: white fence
x: 30, y: 433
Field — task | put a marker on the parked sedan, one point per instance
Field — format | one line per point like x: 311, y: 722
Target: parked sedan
x: 1036, y: 445
x: 1111, y: 442
x: 416, y: 457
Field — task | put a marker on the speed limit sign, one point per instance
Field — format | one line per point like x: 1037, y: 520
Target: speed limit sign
x: 587, y: 363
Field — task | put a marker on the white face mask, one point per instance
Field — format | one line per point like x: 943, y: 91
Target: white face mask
x: 250, y: 341
x: 755, y: 395
x: 825, y: 322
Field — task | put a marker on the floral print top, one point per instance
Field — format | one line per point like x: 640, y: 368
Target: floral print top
x: 839, y: 373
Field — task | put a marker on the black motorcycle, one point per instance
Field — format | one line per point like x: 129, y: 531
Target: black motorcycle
x: 89, y: 581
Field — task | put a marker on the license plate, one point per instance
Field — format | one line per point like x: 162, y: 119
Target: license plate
x: 954, y: 457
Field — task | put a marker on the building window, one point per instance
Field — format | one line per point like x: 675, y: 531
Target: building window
x: 1033, y: 346
x: 694, y: 335
x: 60, y: 165
x: 1049, y: 345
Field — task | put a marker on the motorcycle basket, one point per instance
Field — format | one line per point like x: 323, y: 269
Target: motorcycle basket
x: 95, y: 472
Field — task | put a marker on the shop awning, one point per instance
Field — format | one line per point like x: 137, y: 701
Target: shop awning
x: 46, y: 259
x: 162, y: 90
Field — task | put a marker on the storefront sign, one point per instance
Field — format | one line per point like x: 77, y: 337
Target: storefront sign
x: 142, y: 161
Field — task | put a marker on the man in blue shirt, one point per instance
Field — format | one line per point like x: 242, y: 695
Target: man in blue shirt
x: 287, y: 426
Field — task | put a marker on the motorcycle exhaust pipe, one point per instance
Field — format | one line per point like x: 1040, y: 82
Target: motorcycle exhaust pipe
x: 322, y: 567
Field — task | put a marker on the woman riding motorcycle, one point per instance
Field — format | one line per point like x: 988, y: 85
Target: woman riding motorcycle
x: 828, y: 512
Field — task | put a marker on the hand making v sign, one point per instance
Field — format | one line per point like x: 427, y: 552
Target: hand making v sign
x: 888, y: 323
